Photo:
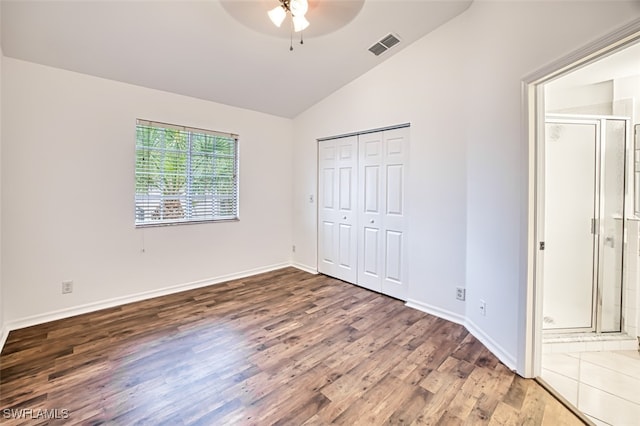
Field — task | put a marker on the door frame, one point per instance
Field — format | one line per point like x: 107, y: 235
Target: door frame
x: 533, y: 117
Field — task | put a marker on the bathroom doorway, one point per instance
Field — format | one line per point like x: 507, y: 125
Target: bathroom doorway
x: 585, y: 224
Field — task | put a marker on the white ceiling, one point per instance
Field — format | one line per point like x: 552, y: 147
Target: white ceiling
x: 198, y: 48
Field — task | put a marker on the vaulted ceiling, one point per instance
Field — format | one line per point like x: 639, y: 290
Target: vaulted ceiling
x: 225, y: 51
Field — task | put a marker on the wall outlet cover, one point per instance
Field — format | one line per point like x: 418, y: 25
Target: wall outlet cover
x: 67, y: 287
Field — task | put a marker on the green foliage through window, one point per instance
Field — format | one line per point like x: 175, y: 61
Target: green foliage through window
x: 184, y: 174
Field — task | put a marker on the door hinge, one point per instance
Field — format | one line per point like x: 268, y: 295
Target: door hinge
x: 541, y: 245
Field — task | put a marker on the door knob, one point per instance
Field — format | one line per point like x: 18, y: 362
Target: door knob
x: 372, y: 221
x: 344, y: 218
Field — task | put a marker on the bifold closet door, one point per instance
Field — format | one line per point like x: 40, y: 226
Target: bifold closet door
x: 382, y: 237
x: 337, y: 202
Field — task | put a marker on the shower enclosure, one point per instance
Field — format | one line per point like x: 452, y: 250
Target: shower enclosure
x: 585, y: 169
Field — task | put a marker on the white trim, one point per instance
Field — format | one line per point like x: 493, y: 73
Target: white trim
x: 529, y: 329
x: 118, y: 301
x: 598, y: 49
x: 504, y: 356
x: 365, y: 132
x: 305, y: 268
x: 4, y: 333
x: 434, y: 310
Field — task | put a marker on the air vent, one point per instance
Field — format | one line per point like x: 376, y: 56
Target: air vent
x: 389, y: 41
x: 377, y: 49
x: 385, y: 44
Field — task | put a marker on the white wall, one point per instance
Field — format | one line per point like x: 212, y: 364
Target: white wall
x: 594, y: 98
x: 460, y: 87
x: 68, y: 193
x: 631, y: 302
x: 626, y: 97
x: 402, y: 90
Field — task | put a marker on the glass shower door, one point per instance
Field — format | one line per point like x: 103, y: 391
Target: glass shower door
x: 610, y: 267
x: 570, y: 257
x: 585, y: 186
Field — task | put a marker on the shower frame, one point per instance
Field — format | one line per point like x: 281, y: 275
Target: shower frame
x: 599, y: 245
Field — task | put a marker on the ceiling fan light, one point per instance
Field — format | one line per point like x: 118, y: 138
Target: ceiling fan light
x: 299, y: 23
x: 299, y: 7
x: 277, y: 15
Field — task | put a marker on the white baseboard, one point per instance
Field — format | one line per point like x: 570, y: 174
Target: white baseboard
x: 433, y: 310
x: 506, y: 358
x: 4, y: 333
x: 117, y: 301
x: 305, y: 268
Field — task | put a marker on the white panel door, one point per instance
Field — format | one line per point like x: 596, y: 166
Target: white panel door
x: 383, y: 159
x: 395, y: 160
x: 337, y: 185
x: 370, y: 206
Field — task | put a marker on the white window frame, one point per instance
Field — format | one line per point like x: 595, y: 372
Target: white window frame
x: 196, y: 196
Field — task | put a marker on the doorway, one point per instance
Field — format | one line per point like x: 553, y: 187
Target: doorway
x: 584, y: 190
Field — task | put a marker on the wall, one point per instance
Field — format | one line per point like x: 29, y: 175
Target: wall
x: 594, y: 98
x: 631, y: 302
x: 68, y: 195
x: 460, y: 87
x: 400, y: 90
x: 626, y: 97
x: 619, y: 96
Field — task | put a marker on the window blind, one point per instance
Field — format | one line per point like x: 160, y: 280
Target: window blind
x: 184, y: 174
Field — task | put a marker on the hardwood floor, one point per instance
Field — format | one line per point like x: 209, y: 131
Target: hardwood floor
x: 285, y: 347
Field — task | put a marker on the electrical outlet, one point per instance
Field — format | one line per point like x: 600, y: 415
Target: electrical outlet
x: 483, y: 308
x: 67, y: 287
x: 460, y: 293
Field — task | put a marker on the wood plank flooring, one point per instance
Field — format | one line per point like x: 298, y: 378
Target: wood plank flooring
x: 285, y: 347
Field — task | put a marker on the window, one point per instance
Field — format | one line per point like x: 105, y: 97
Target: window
x: 184, y: 175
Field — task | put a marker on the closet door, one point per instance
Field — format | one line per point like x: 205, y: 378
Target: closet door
x: 382, y: 239
x: 370, y: 208
x: 337, y: 202
x: 394, y: 222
